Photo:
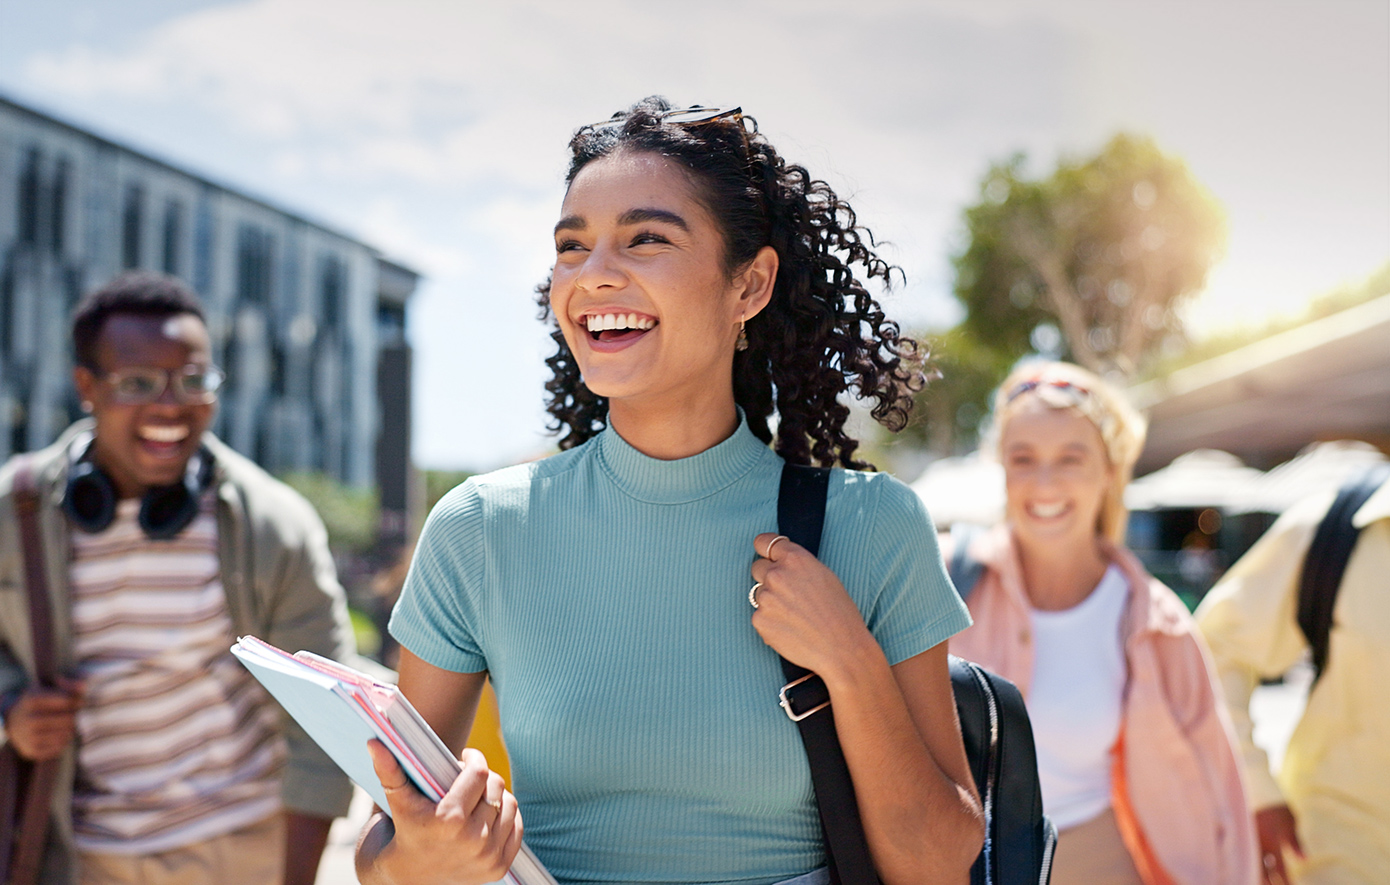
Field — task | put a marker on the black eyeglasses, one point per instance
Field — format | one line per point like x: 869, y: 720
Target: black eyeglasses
x: 142, y: 385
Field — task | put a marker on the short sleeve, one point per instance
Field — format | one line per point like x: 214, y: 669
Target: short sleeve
x: 913, y: 606
x: 436, y: 617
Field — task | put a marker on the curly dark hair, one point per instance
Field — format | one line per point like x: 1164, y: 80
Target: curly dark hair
x: 141, y: 292
x: 821, y: 334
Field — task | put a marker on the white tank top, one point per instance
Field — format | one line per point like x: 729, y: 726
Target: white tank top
x: 1075, y: 700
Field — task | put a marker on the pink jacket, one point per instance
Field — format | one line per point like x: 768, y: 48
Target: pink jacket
x: 1177, y: 791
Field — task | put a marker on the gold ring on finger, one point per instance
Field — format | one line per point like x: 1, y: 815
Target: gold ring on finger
x: 773, y: 543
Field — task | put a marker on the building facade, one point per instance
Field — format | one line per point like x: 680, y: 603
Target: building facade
x: 308, y: 322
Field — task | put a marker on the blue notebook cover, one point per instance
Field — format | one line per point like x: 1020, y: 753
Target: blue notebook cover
x: 319, y: 704
x: 323, y: 705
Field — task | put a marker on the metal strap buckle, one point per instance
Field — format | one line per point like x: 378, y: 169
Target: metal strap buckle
x: 786, y: 702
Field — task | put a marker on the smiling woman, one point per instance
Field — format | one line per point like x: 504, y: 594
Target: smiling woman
x: 1135, y: 754
x: 800, y: 346
x: 701, y: 284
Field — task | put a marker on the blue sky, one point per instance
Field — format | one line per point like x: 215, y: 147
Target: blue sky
x: 436, y: 131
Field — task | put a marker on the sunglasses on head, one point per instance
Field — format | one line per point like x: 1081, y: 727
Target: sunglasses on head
x: 682, y: 117
x: 1075, y: 391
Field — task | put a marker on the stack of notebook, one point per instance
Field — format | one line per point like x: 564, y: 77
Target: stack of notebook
x: 342, y: 708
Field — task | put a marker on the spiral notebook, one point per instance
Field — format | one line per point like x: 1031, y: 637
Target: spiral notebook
x: 342, y: 708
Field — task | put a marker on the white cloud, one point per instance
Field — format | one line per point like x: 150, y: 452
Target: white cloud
x: 437, y: 128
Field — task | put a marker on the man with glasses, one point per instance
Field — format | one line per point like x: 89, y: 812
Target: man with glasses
x: 163, y: 545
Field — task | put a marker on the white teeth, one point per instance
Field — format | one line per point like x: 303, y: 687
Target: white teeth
x: 600, y: 322
x: 164, y: 434
x: 1047, y: 511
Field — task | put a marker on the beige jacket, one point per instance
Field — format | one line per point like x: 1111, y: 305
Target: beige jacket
x: 1336, y: 770
x: 1177, y: 791
x: 280, y: 584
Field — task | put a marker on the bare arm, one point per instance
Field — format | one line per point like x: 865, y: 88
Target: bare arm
x: 474, y: 832
x: 447, y: 700
x: 305, y: 838
x: 897, y: 724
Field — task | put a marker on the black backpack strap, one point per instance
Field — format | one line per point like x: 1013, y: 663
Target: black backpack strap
x: 1326, y: 562
x: 801, y: 516
x: 964, y: 569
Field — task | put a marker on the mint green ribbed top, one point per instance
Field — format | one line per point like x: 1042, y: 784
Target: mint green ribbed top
x: 606, y: 593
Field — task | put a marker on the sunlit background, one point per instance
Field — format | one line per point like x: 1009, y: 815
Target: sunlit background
x: 437, y: 130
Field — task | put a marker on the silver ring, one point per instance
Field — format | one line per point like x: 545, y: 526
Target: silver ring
x: 773, y: 543
x: 753, y: 594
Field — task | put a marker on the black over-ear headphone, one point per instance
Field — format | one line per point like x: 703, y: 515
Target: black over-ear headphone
x: 90, y: 498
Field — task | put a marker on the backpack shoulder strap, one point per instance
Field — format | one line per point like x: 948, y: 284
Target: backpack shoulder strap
x: 26, y: 505
x: 801, y: 504
x: 801, y: 517
x: 1326, y: 562
x: 22, y: 859
x: 964, y: 568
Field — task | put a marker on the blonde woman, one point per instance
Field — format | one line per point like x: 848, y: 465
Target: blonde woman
x: 1135, y: 751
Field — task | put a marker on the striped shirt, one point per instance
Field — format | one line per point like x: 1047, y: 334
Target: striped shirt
x: 177, y: 742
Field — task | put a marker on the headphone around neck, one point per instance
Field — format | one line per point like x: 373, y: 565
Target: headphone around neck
x: 90, y: 497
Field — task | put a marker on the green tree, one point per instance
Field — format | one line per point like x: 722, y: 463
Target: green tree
x: 438, y: 483
x: 1106, y: 249
x: 349, y: 514
x: 948, y: 412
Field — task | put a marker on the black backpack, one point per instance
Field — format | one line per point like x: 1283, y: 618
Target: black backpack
x: 1326, y: 562
x: 1019, y: 839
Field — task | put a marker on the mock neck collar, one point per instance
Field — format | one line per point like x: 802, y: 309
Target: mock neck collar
x: 685, y: 479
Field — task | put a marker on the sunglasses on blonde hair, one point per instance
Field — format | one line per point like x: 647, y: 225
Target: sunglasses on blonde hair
x: 1067, y: 388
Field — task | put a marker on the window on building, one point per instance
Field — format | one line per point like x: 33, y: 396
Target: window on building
x: 230, y: 360
x: 132, y: 220
x: 332, y: 291
x: 19, y: 426
x: 278, y: 365
x: 6, y: 307
x: 390, y: 325
x: 29, y: 198
x: 254, y: 254
x: 58, y: 214
x: 173, y: 236
x: 72, y: 285
x: 203, y: 232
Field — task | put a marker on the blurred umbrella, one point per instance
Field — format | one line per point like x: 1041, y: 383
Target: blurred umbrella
x: 968, y: 489
x: 1201, y: 478
x: 1320, y: 467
